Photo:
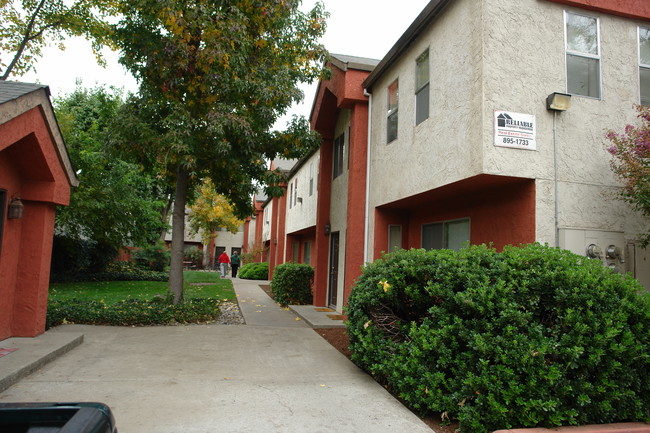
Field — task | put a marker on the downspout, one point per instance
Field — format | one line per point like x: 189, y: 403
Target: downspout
x: 366, y: 227
x: 555, y: 181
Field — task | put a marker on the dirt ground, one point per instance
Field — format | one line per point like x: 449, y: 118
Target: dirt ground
x: 338, y: 338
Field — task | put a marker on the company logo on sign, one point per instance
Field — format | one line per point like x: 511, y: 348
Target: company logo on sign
x: 515, y: 130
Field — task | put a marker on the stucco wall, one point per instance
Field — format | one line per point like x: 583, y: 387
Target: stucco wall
x: 303, y: 214
x: 445, y: 147
x: 267, y: 217
x: 518, y: 76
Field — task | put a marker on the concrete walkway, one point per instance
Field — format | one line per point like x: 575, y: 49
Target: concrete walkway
x: 274, y: 374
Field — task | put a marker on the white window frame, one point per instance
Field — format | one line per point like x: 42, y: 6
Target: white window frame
x: 392, y: 111
x: 394, y: 238
x: 445, y: 226
x: 583, y: 55
x: 643, y: 66
x: 420, y: 88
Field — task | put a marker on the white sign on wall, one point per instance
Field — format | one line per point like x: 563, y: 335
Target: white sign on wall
x: 514, y: 130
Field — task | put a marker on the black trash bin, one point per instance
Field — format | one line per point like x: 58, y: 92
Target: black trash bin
x: 56, y: 418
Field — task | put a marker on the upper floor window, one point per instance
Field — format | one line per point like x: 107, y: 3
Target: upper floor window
x: 295, y: 192
x: 422, y: 88
x: 582, y: 55
x: 337, y: 163
x: 290, y: 194
x: 644, y: 65
x: 393, y: 98
x: 311, y: 179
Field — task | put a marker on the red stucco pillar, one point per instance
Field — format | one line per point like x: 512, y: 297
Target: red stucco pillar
x: 321, y: 250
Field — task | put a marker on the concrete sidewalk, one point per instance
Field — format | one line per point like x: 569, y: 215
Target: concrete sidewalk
x: 274, y: 374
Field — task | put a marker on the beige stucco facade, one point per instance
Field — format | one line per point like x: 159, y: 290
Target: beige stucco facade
x: 490, y: 55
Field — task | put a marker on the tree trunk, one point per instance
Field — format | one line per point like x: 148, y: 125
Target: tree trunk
x: 178, y: 235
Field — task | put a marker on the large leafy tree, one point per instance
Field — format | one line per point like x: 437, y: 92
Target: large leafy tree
x: 29, y: 25
x: 214, y: 77
x: 631, y: 163
x: 116, y: 203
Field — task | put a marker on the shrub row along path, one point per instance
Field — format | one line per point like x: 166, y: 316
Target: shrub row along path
x: 274, y: 374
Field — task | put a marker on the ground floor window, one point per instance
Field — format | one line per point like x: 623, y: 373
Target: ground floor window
x: 306, y: 253
x: 295, y: 252
x: 394, y: 237
x: 447, y: 234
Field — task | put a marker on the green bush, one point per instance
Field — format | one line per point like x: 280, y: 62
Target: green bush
x: 73, y: 256
x: 254, y: 271
x: 154, y: 257
x: 116, y: 271
x: 291, y: 284
x: 194, y: 255
x: 132, y: 312
x: 532, y: 336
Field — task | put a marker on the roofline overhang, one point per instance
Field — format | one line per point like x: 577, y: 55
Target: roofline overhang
x: 426, y: 17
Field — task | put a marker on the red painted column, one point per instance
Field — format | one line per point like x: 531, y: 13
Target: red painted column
x: 30, y: 302
x: 274, y: 236
x: 356, y: 210
x: 320, y: 255
x: 282, y: 222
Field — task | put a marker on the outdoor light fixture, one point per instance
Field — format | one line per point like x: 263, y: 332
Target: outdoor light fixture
x: 558, y: 101
x: 299, y: 199
x: 328, y: 229
x: 16, y: 208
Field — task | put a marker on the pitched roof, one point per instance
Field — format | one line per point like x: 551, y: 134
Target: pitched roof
x: 10, y: 90
x: 344, y: 62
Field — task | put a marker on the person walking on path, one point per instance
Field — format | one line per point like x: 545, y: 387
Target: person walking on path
x: 224, y: 260
x: 234, y: 263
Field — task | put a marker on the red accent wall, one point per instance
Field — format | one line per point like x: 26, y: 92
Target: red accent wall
x: 30, y: 168
x: 320, y: 256
x: 625, y: 8
x: 501, y: 212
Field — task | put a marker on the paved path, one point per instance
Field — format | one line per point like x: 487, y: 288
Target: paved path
x: 274, y: 374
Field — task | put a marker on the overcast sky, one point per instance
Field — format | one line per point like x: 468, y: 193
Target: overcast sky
x: 365, y: 28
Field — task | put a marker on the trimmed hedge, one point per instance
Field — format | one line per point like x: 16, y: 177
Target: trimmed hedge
x: 532, y: 336
x: 132, y: 312
x: 291, y: 284
x: 254, y: 271
x: 117, y: 271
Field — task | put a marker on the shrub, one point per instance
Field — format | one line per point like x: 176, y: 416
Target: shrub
x: 116, y: 271
x: 71, y: 256
x: 532, y: 336
x: 291, y: 284
x: 132, y: 312
x: 154, y: 257
x: 254, y: 271
x: 194, y: 255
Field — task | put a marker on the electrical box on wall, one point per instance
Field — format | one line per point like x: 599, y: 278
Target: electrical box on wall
x: 606, y: 246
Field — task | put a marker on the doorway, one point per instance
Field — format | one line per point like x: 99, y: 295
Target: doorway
x: 332, y: 296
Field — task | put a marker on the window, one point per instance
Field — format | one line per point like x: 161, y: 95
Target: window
x: 445, y: 235
x: 290, y: 194
x: 582, y: 55
x: 306, y: 253
x: 394, y: 238
x: 337, y: 163
x: 422, y: 88
x: 295, y: 192
x: 295, y: 252
x: 644, y: 65
x: 311, y: 179
x: 393, y: 98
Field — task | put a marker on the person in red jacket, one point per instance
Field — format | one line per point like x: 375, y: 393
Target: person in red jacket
x: 224, y: 261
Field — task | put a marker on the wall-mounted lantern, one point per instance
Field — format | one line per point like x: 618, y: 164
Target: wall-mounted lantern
x: 299, y: 199
x: 557, y: 101
x: 16, y: 209
x: 328, y: 229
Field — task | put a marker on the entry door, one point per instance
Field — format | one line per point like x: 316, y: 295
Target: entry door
x: 334, y: 269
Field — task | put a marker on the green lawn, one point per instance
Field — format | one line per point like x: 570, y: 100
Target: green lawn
x: 115, y: 291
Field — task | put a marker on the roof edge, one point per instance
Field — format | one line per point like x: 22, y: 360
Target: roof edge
x: 426, y: 17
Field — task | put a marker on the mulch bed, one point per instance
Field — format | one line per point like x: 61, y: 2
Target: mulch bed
x: 339, y: 339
